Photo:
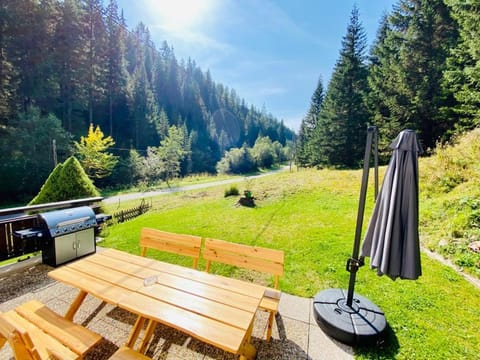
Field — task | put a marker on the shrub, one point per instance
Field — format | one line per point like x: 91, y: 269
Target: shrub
x: 264, y: 152
x: 67, y: 181
x: 232, y: 191
x: 237, y: 161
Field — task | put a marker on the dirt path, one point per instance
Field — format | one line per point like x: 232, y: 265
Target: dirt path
x: 147, y: 194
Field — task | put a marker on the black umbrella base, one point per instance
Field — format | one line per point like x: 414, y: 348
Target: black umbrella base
x: 359, y: 324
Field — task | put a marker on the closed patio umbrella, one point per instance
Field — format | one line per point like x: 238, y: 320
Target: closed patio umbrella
x: 392, y: 240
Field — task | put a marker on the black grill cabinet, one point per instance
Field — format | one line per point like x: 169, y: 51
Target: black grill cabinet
x: 66, y: 234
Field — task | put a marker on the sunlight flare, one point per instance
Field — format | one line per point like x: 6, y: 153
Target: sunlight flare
x: 180, y: 15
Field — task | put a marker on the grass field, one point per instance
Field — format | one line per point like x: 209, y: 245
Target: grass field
x: 311, y: 215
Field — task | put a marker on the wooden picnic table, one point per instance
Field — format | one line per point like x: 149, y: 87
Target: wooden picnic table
x: 215, y: 309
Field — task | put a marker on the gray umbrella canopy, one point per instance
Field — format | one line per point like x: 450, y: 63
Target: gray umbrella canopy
x: 392, y: 240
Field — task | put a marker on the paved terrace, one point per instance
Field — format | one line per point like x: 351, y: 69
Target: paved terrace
x: 295, y: 335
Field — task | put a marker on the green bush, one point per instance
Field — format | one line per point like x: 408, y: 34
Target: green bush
x: 67, y: 181
x: 237, y: 161
x: 231, y: 191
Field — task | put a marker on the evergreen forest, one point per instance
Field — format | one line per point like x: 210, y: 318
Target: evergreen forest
x: 67, y: 64
x: 69, y: 68
x: 422, y: 73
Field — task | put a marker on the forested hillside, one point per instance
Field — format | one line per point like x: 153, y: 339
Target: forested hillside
x: 67, y: 64
x: 422, y: 73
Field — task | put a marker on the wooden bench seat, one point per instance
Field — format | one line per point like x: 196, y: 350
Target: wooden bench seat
x: 36, y: 332
x: 181, y: 244
x: 254, y: 258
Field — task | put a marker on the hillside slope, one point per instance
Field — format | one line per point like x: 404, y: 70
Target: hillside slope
x: 450, y: 202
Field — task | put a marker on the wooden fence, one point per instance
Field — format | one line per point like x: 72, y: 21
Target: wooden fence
x: 129, y: 214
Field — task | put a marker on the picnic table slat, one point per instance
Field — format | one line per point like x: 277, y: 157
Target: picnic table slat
x: 219, y: 334
x: 230, y: 284
x: 203, y: 306
x: 212, y: 292
x: 93, y: 285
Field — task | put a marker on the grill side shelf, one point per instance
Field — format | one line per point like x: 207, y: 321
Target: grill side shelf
x: 28, y: 233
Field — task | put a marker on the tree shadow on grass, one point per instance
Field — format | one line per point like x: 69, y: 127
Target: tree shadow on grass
x: 386, y: 346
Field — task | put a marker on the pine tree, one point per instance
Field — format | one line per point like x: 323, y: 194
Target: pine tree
x: 116, y: 72
x: 304, y: 150
x: 71, y: 63
x: 7, y: 72
x: 97, y: 55
x: 463, y: 74
x: 339, y: 136
x: 406, y: 73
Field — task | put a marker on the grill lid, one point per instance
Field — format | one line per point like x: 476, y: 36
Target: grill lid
x: 65, y: 221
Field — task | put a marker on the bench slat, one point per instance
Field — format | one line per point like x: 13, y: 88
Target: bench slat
x: 76, y: 337
x: 253, y: 258
x: 269, y: 304
x: 272, y: 255
x: 42, y: 342
x: 182, y: 244
x: 242, y: 260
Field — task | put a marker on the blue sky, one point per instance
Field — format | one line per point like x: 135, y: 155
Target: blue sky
x: 272, y: 52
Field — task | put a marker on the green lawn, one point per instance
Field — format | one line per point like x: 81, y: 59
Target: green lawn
x: 311, y: 215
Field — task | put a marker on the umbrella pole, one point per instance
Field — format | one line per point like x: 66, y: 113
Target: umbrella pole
x: 375, y: 154
x: 354, y: 263
x: 346, y: 316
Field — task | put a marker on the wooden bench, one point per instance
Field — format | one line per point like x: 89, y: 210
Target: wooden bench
x: 36, y: 332
x: 182, y: 244
x: 254, y: 258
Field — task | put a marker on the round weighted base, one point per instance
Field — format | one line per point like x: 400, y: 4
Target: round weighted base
x: 361, y: 323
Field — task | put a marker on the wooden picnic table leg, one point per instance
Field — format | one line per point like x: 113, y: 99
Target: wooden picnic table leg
x: 3, y: 340
x: 148, y: 335
x: 72, y: 310
x: 135, y: 331
x: 248, y: 351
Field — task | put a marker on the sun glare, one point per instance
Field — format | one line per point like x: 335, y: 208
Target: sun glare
x: 179, y: 15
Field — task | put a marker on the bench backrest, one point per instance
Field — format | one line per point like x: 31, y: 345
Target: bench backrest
x: 250, y: 257
x: 182, y: 244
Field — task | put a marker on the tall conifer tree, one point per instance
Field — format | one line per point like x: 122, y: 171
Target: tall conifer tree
x: 339, y: 136
x: 463, y: 75
x: 406, y: 73
x: 304, y: 151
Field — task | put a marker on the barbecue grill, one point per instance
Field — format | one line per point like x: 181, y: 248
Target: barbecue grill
x: 66, y: 234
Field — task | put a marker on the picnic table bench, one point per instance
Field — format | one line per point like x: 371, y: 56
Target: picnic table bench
x: 35, y: 332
